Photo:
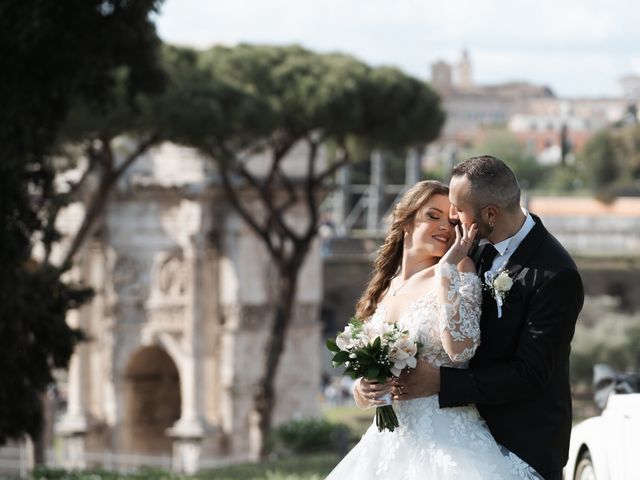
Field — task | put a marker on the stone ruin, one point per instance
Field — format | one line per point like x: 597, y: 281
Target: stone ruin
x: 183, y: 295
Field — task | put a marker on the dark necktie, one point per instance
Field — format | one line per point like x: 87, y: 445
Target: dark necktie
x: 489, y: 252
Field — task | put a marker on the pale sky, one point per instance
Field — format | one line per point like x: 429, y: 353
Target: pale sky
x: 577, y: 47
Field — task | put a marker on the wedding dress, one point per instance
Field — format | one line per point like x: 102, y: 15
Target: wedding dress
x: 431, y: 442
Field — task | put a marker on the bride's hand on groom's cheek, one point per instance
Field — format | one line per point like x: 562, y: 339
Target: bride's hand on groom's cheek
x: 464, y: 238
x: 422, y: 381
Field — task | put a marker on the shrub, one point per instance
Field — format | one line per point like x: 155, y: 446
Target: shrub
x: 604, y: 334
x: 308, y: 435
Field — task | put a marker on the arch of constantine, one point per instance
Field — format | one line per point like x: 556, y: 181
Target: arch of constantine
x: 183, y: 293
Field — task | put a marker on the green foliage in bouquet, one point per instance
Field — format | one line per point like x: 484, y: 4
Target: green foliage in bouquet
x: 368, y: 362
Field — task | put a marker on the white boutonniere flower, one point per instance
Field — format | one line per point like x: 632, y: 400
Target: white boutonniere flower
x: 499, y: 284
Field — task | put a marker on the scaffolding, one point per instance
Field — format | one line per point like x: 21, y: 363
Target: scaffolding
x: 363, y: 210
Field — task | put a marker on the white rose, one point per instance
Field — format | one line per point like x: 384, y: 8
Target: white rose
x: 503, y: 283
x: 403, y: 354
x: 344, y: 340
x: 407, y: 346
x: 400, y: 365
x: 397, y: 367
x: 369, y: 332
x: 385, y: 328
x: 373, y: 330
x: 397, y: 354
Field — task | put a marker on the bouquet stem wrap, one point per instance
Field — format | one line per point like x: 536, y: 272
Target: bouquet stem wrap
x: 386, y: 418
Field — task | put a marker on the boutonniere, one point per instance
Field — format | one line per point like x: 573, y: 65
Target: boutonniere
x: 499, y: 285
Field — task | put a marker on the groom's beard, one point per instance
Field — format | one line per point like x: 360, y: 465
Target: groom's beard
x: 484, y: 229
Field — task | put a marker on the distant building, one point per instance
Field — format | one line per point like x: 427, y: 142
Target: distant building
x: 538, y: 118
x: 540, y: 126
x: 471, y: 107
x: 441, y: 76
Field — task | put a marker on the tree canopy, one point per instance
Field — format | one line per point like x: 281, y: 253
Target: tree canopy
x: 232, y: 103
x: 53, y: 54
x: 251, y: 96
x: 611, y: 161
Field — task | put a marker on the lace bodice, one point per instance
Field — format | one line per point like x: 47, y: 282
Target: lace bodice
x: 446, y: 326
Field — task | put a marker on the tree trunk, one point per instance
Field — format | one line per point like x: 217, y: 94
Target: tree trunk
x: 265, y: 394
x: 93, y: 211
x: 39, y: 441
x: 98, y: 201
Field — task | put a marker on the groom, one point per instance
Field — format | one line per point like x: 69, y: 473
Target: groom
x: 519, y: 376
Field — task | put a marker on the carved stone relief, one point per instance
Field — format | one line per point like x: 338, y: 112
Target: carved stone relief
x: 127, y: 274
x: 169, y: 318
x: 172, y: 277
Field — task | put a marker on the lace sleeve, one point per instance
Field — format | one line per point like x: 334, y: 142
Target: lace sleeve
x: 460, y: 300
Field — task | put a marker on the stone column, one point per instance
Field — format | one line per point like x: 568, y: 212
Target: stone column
x: 190, y: 429
x: 187, y: 454
x: 74, y: 425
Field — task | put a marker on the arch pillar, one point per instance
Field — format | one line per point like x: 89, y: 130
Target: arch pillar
x: 75, y: 424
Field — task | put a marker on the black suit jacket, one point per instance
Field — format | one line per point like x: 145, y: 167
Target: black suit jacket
x: 519, y: 376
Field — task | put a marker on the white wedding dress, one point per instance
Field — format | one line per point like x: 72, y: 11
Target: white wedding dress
x: 431, y: 442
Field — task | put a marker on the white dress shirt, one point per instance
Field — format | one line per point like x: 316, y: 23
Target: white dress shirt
x: 506, y: 247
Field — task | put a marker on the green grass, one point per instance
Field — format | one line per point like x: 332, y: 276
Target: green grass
x: 303, y: 467
x: 307, y: 467
x: 143, y: 474
x: 356, y: 419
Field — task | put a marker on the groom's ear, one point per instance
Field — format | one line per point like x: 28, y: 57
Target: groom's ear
x: 491, y: 214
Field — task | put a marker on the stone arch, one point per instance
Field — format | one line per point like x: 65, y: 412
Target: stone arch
x: 152, y: 402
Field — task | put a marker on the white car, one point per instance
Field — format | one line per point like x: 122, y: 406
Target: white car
x: 607, y: 447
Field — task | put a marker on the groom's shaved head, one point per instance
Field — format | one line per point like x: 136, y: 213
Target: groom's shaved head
x: 491, y: 182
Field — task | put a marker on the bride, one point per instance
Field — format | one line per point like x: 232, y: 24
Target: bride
x: 424, y: 279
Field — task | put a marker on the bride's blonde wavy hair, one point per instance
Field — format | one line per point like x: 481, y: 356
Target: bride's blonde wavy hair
x: 389, y: 258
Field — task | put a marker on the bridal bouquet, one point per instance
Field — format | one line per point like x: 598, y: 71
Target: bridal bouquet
x: 375, y: 351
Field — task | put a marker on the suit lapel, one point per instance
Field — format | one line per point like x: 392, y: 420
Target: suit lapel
x: 475, y: 254
x: 523, y: 253
x: 517, y: 262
